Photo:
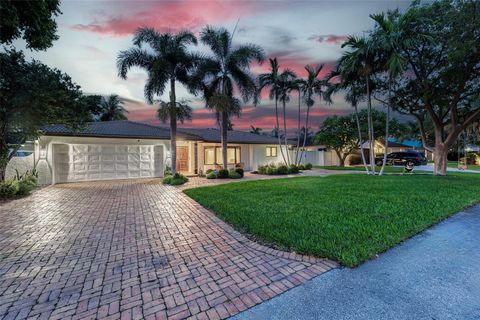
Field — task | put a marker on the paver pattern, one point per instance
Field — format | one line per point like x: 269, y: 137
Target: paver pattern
x: 133, y: 249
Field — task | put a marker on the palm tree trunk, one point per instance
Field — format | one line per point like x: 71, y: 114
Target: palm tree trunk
x: 297, y: 161
x: 224, y: 135
x: 285, y: 131
x: 305, y: 133
x: 387, y: 129
x: 278, y: 129
x: 370, y: 128
x: 173, y: 126
x: 360, y: 138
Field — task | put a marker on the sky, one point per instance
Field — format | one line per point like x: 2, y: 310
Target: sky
x: 92, y: 33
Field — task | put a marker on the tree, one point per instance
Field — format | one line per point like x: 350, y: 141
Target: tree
x: 441, y: 78
x: 339, y: 134
x: 32, y: 95
x: 228, y: 67
x: 286, y: 84
x: 272, y: 80
x: 111, y: 108
x: 397, y: 129
x: 33, y: 20
x: 182, y: 111
x: 360, y: 61
x: 167, y: 62
x: 92, y: 103
x: 310, y: 87
x: 343, y: 79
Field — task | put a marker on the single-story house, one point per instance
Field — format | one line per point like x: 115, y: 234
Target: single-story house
x: 127, y: 149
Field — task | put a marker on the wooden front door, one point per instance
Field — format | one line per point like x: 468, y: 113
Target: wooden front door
x: 182, y: 159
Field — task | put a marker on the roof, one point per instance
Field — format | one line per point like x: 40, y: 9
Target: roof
x: 113, y: 129
x: 233, y: 136
x: 137, y: 130
x: 392, y: 144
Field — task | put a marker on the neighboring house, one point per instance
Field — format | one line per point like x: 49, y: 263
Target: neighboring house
x: 126, y: 149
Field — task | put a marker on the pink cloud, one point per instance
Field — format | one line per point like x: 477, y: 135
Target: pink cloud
x: 329, y: 38
x: 167, y: 16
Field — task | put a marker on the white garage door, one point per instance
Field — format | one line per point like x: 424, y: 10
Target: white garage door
x: 83, y: 162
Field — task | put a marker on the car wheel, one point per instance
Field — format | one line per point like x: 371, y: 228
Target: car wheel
x: 411, y: 163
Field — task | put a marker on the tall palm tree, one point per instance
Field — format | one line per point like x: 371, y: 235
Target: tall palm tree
x: 341, y: 80
x: 310, y: 87
x: 166, y: 62
x: 111, y: 108
x: 286, y: 84
x: 226, y: 68
x: 360, y: 61
x: 272, y: 80
x: 388, y: 39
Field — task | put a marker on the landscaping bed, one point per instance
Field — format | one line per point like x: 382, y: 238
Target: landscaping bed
x: 349, y: 218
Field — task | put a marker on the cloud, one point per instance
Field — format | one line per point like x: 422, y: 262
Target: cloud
x: 166, y: 16
x: 328, y: 38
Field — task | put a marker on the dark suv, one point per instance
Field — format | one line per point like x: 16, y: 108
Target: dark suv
x: 403, y: 158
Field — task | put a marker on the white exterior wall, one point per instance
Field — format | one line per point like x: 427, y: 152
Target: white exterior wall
x: 259, y: 155
x: 44, y: 151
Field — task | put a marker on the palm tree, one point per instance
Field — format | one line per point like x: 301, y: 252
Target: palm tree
x: 272, y: 80
x: 182, y: 111
x: 387, y: 39
x: 111, y: 108
x: 166, y: 61
x: 341, y: 80
x: 311, y: 86
x: 286, y: 83
x: 228, y: 67
x: 359, y: 61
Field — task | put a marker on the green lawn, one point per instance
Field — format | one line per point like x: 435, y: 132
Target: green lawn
x: 388, y: 169
x: 348, y: 218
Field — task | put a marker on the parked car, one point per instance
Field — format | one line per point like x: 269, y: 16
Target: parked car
x: 403, y: 158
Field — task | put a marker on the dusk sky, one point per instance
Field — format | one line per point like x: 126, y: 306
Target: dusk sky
x: 92, y: 33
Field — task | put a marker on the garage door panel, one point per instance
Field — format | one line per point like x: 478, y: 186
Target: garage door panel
x: 77, y: 162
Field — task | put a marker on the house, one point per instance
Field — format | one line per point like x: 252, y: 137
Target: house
x: 126, y: 149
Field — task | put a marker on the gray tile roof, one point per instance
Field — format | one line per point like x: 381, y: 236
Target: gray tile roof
x: 131, y: 129
x: 233, y: 136
x: 113, y: 129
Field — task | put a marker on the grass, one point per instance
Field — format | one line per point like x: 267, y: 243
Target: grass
x: 388, y: 169
x: 454, y: 164
x: 349, y: 218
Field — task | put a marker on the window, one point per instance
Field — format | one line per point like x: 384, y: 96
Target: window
x: 271, y: 151
x: 214, y: 155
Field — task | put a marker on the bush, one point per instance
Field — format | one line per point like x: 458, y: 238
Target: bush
x: 240, y: 172
x: 308, y: 166
x: 262, y: 169
x: 271, y: 170
x: 234, y: 175
x: 175, y: 180
x: 168, y: 171
x: 293, y: 169
x: 282, y: 169
x: 222, y: 174
x: 209, y: 171
x: 354, y: 159
x: 301, y: 167
x: 27, y: 183
x: 211, y: 175
x: 8, y: 188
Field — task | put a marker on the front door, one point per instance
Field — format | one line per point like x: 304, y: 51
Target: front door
x: 182, y: 159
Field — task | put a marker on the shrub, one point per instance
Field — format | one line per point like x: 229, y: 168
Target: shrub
x: 308, y: 166
x: 222, y: 174
x: 27, y: 183
x: 234, y: 175
x: 209, y: 171
x: 175, y: 180
x: 211, y: 175
x: 301, y: 167
x: 240, y: 172
x: 282, y: 169
x: 293, y: 169
x: 271, y: 170
x: 262, y: 169
x: 8, y: 188
x: 354, y: 159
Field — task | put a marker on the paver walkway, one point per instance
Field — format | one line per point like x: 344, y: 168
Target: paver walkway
x: 133, y: 249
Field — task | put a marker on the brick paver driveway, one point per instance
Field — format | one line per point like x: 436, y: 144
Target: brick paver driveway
x: 133, y: 249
